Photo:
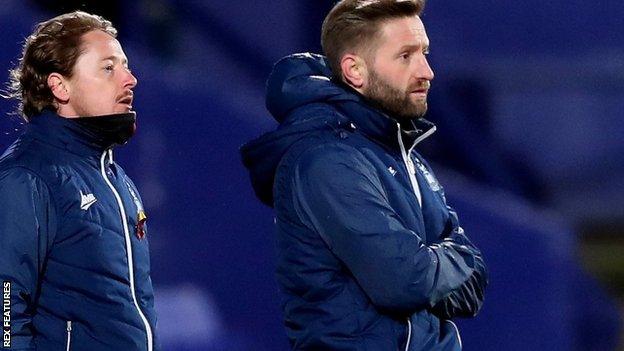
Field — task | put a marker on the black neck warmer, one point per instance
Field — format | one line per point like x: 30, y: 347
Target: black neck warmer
x: 109, y: 130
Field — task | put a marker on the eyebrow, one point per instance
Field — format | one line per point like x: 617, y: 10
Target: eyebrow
x: 413, y: 47
x: 116, y: 58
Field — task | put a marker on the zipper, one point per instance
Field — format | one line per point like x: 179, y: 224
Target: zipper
x: 409, y: 164
x: 457, y: 331
x: 122, y: 212
x: 421, y: 138
x: 409, y: 334
x: 69, y: 329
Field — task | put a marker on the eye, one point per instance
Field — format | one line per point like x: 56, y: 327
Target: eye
x: 405, y: 56
x: 109, y: 68
x: 426, y: 51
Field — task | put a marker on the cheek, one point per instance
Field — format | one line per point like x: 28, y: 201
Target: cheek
x: 395, y: 75
x: 400, y: 77
x: 102, y: 95
x: 86, y: 90
x: 399, y: 81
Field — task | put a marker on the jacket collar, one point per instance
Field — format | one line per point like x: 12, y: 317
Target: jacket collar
x: 380, y: 126
x: 67, y: 134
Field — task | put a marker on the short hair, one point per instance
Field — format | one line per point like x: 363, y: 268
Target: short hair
x: 54, y: 46
x: 354, y: 25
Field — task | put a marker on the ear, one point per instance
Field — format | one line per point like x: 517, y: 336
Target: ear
x: 59, y: 87
x: 354, y: 71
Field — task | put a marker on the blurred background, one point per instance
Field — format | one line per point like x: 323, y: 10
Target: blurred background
x: 528, y: 99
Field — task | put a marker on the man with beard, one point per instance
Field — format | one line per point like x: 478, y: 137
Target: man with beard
x: 370, y: 257
x: 73, y: 246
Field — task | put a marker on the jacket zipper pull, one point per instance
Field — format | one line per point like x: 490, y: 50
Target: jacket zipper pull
x: 69, y: 329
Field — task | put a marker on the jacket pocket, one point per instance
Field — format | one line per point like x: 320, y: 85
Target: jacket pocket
x: 69, y: 334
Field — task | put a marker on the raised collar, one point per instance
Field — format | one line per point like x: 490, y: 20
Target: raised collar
x: 380, y: 126
x: 67, y: 134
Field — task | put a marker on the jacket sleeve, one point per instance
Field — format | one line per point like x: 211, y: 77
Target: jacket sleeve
x: 466, y: 301
x: 26, y: 228
x: 339, y: 195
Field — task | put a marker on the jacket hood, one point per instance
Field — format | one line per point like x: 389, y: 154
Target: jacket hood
x: 303, y: 97
x: 296, y: 81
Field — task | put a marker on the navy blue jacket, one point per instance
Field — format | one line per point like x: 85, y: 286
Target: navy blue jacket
x: 370, y: 256
x: 79, y: 273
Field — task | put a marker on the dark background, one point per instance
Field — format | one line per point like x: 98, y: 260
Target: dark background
x: 528, y: 99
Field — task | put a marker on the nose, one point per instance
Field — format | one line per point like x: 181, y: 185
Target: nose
x: 423, y: 70
x: 130, y: 80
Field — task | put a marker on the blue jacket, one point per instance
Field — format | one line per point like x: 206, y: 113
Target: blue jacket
x: 69, y: 243
x: 370, y: 257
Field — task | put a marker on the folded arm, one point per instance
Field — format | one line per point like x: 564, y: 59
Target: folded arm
x: 339, y: 194
x: 467, y: 300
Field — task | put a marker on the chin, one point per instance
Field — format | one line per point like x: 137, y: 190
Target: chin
x: 418, y: 110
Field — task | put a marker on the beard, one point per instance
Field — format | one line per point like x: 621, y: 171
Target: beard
x: 395, y: 101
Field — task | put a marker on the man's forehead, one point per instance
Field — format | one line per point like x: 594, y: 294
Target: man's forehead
x: 395, y: 34
x: 402, y: 29
x: 102, y: 44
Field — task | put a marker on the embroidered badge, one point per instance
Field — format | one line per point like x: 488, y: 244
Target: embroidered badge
x: 431, y: 179
x: 141, y: 218
x: 141, y: 215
